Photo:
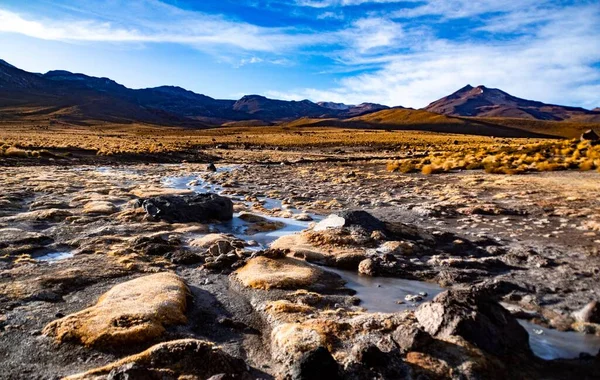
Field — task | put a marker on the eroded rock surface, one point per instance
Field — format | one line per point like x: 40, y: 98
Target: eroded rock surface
x: 185, y: 358
x: 132, y: 312
x: 527, y: 243
x: 474, y: 316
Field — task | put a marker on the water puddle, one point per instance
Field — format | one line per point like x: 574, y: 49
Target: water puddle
x: 381, y: 294
x: 553, y: 344
x: 54, y: 257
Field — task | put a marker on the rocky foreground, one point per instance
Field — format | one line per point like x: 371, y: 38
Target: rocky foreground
x: 129, y: 273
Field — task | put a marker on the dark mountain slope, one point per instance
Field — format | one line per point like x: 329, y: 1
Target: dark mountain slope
x: 481, y: 101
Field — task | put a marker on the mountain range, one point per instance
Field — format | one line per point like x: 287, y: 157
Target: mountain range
x: 64, y: 97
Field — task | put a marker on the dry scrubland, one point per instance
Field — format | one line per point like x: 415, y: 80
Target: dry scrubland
x: 426, y: 152
x: 120, y: 139
x: 506, y: 158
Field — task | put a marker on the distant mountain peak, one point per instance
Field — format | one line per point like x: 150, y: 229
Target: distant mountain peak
x: 483, y: 101
x: 4, y: 63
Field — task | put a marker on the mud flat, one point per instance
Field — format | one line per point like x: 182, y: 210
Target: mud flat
x: 176, y: 271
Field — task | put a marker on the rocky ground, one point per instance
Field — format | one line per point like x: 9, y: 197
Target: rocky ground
x: 123, y: 272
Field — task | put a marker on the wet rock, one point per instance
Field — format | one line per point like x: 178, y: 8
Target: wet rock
x: 211, y: 167
x: 474, y: 316
x: 590, y: 313
x: 260, y: 223
x: 367, y: 267
x: 189, y: 208
x: 131, y: 312
x: 303, y: 217
x: 316, y: 364
x: 178, y: 359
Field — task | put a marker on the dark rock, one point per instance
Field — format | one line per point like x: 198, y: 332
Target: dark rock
x: 133, y: 371
x: 211, y: 167
x: 590, y: 135
x: 157, y: 245
x: 411, y: 338
x: 363, y: 220
x: 189, y: 208
x: 185, y: 258
x: 316, y: 364
x: 46, y: 295
x: 476, y: 317
x: 369, y: 362
x: 185, y: 358
x: 221, y: 262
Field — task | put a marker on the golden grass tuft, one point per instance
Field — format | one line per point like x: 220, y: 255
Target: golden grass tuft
x: 509, y: 157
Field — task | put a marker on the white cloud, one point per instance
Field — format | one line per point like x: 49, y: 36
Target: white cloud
x: 188, y: 28
x: 555, y: 65
x: 330, y: 15
x: 537, y: 49
x: 341, y: 3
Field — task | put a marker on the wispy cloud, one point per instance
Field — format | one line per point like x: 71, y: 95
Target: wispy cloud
x: 188, y: 28
x: 538, y: 49
x: 553, y: 62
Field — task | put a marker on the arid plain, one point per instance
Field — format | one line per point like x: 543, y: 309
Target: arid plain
x: 348, y: 252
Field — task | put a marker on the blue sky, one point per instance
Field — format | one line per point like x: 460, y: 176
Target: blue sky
x: 405, y: 53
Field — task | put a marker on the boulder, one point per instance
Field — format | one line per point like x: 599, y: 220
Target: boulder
x: 178, y: 359
x: 590, y: 135
x: 199, y: 208
x: 473, y: 315
x: 132, y: 312
x: 286, y: 273
x: 357, y: 219
x: 362, y: 219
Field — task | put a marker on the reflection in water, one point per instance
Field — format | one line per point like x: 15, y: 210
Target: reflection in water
x: 238, y: 227
x: 381, y: 294
x: 554, y: 344
x: 54, y: 256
